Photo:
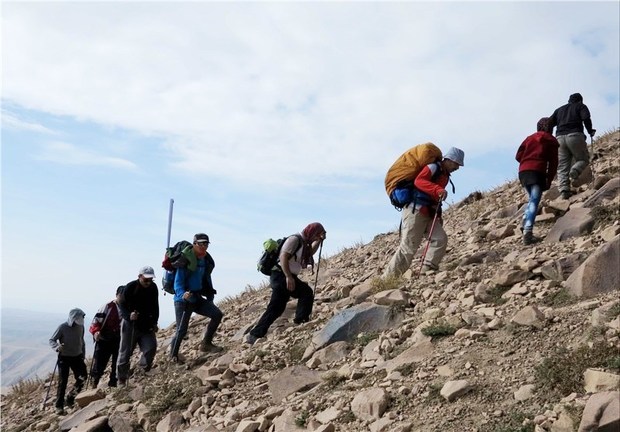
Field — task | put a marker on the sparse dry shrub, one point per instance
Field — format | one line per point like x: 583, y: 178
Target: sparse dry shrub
x: 562, y: 372
x: 511, y: 422
x: 364, y: 339
x: 379, y: 284
x: 438, y: 330
x: 333, y: 379
x: 175, y: 395
x: 559, y: 298
x: 605, y: 214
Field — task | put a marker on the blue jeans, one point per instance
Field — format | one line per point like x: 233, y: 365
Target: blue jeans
x: 183, y: 311
x: 535, y: 193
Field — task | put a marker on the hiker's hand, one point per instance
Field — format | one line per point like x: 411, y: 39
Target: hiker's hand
x: 290, y: 283
x: 134, y: 316
x: 96, y: 336
x: 592, y: 133
x: 59, y: 349
x: 443, y: 195
x: 187, y: 295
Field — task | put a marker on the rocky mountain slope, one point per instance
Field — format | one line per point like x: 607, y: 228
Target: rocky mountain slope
x: 504, y: 337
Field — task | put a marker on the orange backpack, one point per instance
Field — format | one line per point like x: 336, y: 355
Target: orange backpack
x: 403, y: 172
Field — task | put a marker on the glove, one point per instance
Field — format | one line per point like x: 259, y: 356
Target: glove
x: 592, y: 133
x: 59, y: 349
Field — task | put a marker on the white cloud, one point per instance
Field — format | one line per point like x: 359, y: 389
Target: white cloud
x: 70, y: 154
x: 11, y: 121
x: 259, y: 89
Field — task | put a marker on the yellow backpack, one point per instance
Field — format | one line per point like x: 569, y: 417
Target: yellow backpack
x: 403, y: 172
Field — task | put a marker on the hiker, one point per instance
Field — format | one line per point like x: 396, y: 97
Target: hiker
x: 417, y: 216
x: 570, y: 120
x: 139, y: 315
x: 106, y: 331
x: 68, y: 341
x: 538, y: 162
x: 296, y: 253
x: 194, y: 293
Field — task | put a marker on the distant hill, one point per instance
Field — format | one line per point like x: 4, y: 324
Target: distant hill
x: 25, y: 352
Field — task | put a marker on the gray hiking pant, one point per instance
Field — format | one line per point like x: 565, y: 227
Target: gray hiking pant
x: 415, y: 226
x: 130, y: 337
x: 573, y: 147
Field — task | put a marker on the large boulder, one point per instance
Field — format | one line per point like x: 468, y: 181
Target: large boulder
x: 85, y: 414
x: 370, y: 404
x: 602, y: 413
x: 575, y: 223
x: 607, y: 192
x: 599, y: 273
x: 347, y: 324
x: 292, y: 379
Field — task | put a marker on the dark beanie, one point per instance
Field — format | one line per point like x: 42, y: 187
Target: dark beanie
x: 575, y: 97
x: 543, y: 124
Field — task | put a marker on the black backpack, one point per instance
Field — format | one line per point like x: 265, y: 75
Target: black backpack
x: 271, y: 254
x: 173, y: 259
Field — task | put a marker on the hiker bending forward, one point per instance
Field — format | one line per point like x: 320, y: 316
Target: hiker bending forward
x: 68, y: 341
x: 285, y: 283
x: 194, y: 293
x: 139, y: 307
x: 106, y: 331
x: 538, y: 162
x: 417, y: 216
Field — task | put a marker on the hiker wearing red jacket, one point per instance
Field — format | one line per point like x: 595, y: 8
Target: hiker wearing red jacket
x: 417, y: 216
x: 106, y: 331
x: 538, y: 163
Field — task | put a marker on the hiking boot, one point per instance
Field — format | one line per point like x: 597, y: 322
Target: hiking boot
x: 208, y: 347
x: 122, y: 382
x: 427, y: 268
x: 95, y: 383
x: 178, y: 359
x: 566, y: 194
x: 70, y: 401
x: 60, y: 411
x: 112, y: 383
x: 573, y: 174
x: 528, y: 238
x: 250, y: 339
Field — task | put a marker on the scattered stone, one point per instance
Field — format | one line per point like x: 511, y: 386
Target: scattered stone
x: 370, y: 404
x: 529, y: 316
x: 596, y: 381
x: 598, y: 274
x: 292, y: 379
x: 453, y: 390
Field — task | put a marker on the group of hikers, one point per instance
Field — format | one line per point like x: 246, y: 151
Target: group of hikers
x: 131, y: 319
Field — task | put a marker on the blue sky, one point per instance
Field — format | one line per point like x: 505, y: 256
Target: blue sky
x: 258, y: 118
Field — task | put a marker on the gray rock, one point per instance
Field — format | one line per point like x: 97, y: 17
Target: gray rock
x: 607, y: 192
x: 85, y: 414
x: 99, y: 424
x: 332, y: 352
x: 291, y: 380
x: 347, y: 324
x: 453, y: 390
x: 597, y: 381
x: 415, y: 354
x: 370, y: 404
x: 575, y: 223
x: 599, y: 273
x: 602, y: 413
x: 529, y: 316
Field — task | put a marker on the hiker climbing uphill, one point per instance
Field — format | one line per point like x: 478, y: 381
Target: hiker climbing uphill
x: 194, y: 293
x: 106, y: 331
x: 139, y: 307
x: 573, y: 155
x: 538, y: 162
x: 416, y: 183
x: 68, y: 342
x: 296, y: 253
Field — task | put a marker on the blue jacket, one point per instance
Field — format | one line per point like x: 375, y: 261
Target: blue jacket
x: 197, y: 282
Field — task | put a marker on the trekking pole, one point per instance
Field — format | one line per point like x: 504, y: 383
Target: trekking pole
x: 50, y: 386
x: 430, y: 234
x: 92, y: 361
x: 175, y: 347
x: 169, y: 222
x: 318, y: 266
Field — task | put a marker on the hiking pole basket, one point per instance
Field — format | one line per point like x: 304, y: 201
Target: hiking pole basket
x: 430, y: 235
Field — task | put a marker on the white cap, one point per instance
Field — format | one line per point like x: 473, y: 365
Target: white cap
x: 147, y: 272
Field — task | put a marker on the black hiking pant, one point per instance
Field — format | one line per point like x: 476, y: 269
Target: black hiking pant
x: 280, y: 297
x: 104, y: 350
x: 65, y: 365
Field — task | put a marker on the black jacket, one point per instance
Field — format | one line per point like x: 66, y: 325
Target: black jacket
x: 143, y: 300
x: 571, y: 118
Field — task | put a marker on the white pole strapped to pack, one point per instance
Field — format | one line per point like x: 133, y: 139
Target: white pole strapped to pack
x: 169, y: 222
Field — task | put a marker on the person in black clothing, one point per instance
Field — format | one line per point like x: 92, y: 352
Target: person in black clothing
x: 68, y: 341
x: 570, y: 120
x: 139, y: 309
x: 106, y: 331
x: 296, y: 253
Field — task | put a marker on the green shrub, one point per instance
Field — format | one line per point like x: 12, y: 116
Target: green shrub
x: 175, y: 395
x: 379, y: 284
x: 332, y: 379
x: 512, y: 422
x: 559, y: 298
x: 302, y: 419
x: 364, y: 339
x: 439, y: 330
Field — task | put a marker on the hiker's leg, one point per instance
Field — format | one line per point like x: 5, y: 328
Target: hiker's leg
x: 576, y: 143
x: 565, y: 158
x: 80, y: 373
x: 210, y: 310
x: 125, y: 350
x: 437, y: 247
x: 63, y: 379
x: 279, y: 297
x: 114, y: 347
x: 98, y: 365
x: 305, y: 297
x: 182, y: 313
x: 413, y: 226
x: 535, y: 193
x: 148, y: 347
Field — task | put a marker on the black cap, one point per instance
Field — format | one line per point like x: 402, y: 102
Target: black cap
x: 119, y: 289
x: 201, y: 238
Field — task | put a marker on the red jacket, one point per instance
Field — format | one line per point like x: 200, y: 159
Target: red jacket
x: 539, y: 152
x: 424, y: 183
